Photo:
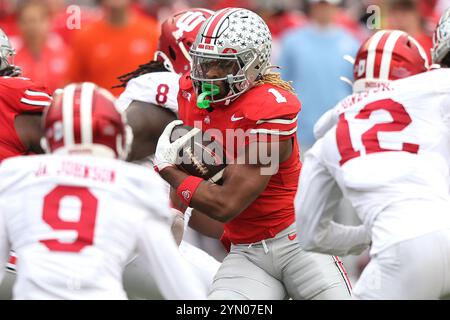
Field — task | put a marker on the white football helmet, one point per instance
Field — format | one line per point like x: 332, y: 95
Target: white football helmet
x: 441, y: 39
x: 233, y: 39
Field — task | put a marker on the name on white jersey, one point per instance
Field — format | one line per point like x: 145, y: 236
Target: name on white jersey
x: 355, y: 98
x: 78, y: 170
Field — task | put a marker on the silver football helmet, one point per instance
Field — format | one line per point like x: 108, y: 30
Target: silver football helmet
x: 441, y: 39
x: 233, y: 48
x: 7, y: 67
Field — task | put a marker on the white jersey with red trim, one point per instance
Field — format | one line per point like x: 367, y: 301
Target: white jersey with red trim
x: 75, y: 221
x: 390, y: 155
x: 158, y: 88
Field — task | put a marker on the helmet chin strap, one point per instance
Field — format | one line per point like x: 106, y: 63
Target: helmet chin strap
x: 208, y: 90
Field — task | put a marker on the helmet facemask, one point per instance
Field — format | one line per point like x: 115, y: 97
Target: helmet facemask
x: 441, y: 40
x: 7, y: 67
x: 220, y: 79
x: 7, y: 57
x: 235, y: 36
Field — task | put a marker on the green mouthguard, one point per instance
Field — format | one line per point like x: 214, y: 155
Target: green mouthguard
x: 208, y: 90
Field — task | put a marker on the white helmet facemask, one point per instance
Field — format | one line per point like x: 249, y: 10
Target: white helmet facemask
x: 236, y: 41
x: 441, y: 39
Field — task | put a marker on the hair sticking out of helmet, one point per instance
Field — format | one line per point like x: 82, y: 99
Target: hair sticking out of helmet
x: 387, y: 55
x: 441, y: 41
x: 83, y: 119
x: 177, y: 36
x: 231, y: 51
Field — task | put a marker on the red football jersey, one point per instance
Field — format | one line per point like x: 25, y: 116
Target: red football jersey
x: 264, y: 112
x: 17, y: 96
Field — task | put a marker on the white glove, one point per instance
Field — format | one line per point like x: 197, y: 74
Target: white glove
x: 166, y: 154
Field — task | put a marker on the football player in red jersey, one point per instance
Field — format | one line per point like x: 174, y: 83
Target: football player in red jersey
x: 150, y: 103
x: 150, y: 97
x: 231, y: 90
x: 21, y: 105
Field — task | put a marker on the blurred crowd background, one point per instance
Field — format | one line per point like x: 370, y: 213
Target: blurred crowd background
x: 62, y: 41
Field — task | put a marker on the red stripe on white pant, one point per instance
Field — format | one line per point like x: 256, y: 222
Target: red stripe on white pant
x: 343, y: 272
x: 11, y: 265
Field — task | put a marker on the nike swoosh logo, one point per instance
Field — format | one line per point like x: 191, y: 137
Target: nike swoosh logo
x: 233, y: 118
x: 292, y: 236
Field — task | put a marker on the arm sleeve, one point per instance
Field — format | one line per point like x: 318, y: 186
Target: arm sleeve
x: 316, y: 203
x: 273, y: 115
x: 325, y: 123
x: 172, y: 274
x: 282, y: 128
x: 34, y: 98
x: 4, y: 246
x: 27, y: 97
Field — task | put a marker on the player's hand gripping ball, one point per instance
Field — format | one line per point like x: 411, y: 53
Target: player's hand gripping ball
x: 192, y: 151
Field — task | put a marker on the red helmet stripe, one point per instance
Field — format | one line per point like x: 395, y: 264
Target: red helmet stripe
x: 86, y: 112
x: 379, y: 54
x: 84, y: 119
x: 68, y: 99
x: 372, y: 52
x: 387, y: 53
x: 210, y: 30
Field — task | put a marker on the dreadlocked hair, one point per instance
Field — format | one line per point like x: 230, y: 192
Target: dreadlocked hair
x: 152, y: 66
x: 275, y: 79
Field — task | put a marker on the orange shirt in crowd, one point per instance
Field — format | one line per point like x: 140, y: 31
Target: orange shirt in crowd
x: 50, y: 68
x: 63, y: 25
x: 102, y: 52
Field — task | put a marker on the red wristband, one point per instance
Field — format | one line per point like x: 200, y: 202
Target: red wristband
x: 186, y: 189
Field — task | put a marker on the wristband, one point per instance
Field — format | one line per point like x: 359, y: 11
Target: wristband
x: 186, y: 189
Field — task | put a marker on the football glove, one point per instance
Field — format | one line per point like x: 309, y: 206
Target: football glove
x: 167, y: 152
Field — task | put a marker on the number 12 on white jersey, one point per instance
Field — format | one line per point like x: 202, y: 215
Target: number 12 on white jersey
x: 369, y: 139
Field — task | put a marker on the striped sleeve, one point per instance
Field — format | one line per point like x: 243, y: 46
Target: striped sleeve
x: 35, y: 100
x: 283, y: 128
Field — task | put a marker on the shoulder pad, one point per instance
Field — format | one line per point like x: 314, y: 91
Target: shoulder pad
x: 269, y: 102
